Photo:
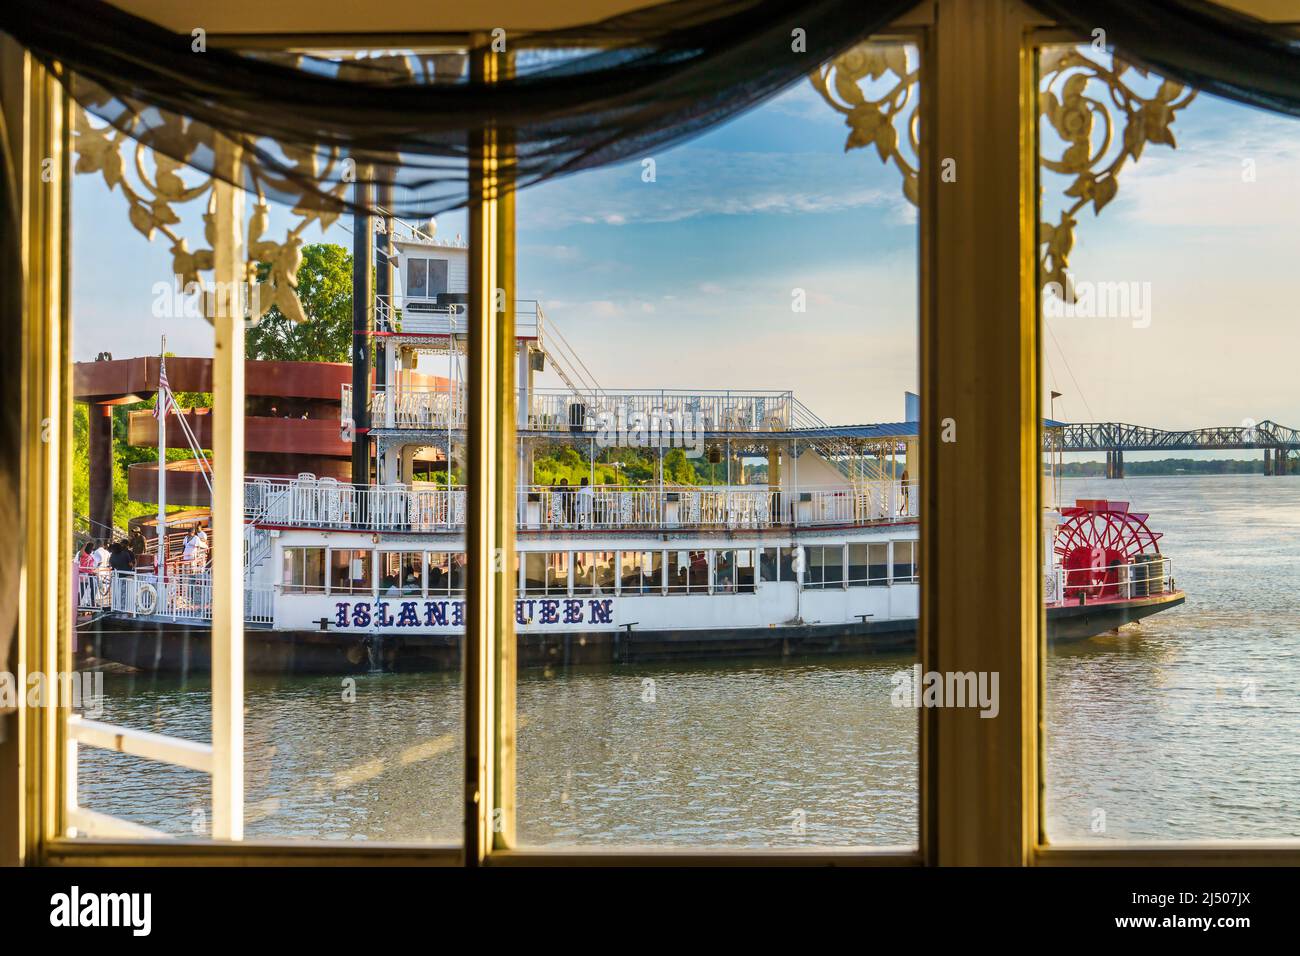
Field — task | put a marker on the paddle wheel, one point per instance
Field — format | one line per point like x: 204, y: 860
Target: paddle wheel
x: 1096, y: 540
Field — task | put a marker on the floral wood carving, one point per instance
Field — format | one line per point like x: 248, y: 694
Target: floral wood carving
x: 872, y: 121
x: 152, y: 194
x: 1073, y: 85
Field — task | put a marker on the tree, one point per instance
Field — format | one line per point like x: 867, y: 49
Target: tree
x: 325, y: 291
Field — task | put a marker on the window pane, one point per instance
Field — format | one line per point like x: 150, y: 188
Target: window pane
x: 1169, y: 534
x: 352, y: 706
x: 417, y: 278
x: 739, y: 692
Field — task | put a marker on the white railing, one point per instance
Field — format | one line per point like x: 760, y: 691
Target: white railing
x: 1152, y: 576
x: 309, y: 502
x: 325, y: 503
x: 183, y: 597
x: 712, y: 411
x: 691, y: 413
x: 423, y: 316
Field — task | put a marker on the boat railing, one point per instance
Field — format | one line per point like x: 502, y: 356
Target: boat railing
x: 1147, y: 576
x: 673, y: 418
x: 422, y: 315
x: 664, y: 412
x: 181, y: 597
x: 310, y: 502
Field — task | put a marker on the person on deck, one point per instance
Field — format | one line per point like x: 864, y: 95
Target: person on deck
x: 586, y: 503
x: 187, y: 552
x: 101, y: 556
x: 200, y: 549
x: 566, y: 502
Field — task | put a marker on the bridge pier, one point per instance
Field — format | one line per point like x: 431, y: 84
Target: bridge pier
x: 1115, y: 464
x: 1268, y: 462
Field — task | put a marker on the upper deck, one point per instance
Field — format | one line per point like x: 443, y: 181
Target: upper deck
x: 310, y: 502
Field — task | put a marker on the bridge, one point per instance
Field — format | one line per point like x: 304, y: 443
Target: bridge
x: 1278, y: 442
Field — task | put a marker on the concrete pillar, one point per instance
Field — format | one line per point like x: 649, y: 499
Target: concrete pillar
x: 101, y: 469
x: 1268, y: 462
x: 1119, y: 463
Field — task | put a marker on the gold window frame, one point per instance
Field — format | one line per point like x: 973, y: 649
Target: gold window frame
x: 980, y: 781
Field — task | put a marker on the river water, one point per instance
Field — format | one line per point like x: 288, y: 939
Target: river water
x: 1186, y: 726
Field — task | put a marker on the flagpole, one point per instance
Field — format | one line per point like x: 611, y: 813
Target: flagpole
x: 160, y: 410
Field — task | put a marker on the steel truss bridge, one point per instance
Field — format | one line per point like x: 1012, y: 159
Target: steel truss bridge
x: 1278, y: 442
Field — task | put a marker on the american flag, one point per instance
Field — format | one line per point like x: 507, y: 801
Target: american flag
x: 164, y: 403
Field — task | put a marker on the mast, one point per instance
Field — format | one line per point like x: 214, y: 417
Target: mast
x: 363, y: 256
x: 160, y: 412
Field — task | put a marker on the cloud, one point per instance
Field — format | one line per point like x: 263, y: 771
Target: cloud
x: 1204, y: 184
x: 695, y: 181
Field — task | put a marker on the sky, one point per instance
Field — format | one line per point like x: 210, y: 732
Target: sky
x: 688, y: 281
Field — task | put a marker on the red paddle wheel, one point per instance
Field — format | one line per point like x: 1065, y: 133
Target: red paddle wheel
x: 1096, y: 538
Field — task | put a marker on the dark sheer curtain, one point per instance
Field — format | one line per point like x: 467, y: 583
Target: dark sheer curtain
x: 1197, y: 43
x: 600, y: 94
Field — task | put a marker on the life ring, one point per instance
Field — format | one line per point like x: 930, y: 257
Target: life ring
x: 146, y: 599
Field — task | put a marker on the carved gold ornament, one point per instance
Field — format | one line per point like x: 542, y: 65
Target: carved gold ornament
x: 151, y: 194
x: 1074, y: 89
x: 875, y: 121
x: 1079, y: 97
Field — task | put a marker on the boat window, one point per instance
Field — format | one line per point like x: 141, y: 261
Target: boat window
x: 350, y: 571
x: 438, y: 565
x: 688, y: 572
x: 642, y: 572
x: 786, y: 570
x: 546, y: 572
x: 868, y: 564
x: 733, y: 572
x: 400, y: 572
x: 304, y: 570
x: 767, y: 564
x: 825, y: 566
x: 584, y: 572
x: 904, y: 562
x: 604, y: 571
x: 458, y: 572
x: 417, y: 277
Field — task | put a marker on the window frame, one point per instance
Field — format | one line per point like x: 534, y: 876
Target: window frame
x: 978, y: 65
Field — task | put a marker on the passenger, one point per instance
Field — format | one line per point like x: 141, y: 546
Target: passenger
x: 586, y: 503
x: 566, y: 501
x: 187, y: 552
x: 200, y: 550
x: 390, y: 587
x: 101, y: 556
x: 86, y: 565
x: 120, y: 557
x: 726, y: 579
x: 411, y: 581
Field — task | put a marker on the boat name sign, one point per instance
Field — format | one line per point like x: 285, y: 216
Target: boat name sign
x: 382, y: 615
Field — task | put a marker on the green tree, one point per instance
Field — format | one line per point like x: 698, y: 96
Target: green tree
x: 325, y: 291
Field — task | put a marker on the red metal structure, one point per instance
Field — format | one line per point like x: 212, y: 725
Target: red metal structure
x: 1096, y: 538
x: 291, y: 423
